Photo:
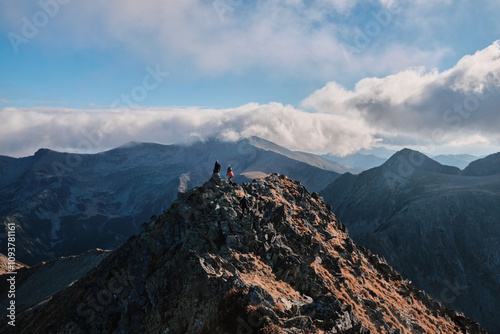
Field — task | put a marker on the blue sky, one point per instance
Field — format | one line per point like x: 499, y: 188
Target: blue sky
x: 67, y: 65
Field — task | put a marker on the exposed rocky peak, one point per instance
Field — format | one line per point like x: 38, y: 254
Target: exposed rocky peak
x: 489, y: 165
x: 288, y: 266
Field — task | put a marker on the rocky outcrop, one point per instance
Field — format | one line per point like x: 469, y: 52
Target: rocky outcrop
x: 203, y: 266
x: 436, y: 226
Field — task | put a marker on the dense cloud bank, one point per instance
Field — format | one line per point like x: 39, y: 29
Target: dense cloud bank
x: 454, y: 108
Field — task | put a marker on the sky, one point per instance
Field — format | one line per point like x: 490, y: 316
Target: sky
x: 323, y: 76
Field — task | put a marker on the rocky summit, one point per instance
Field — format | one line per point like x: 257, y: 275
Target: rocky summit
x: 204, y: 266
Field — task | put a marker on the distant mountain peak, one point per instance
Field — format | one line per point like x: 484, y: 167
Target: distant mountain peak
x: 43, y: 151
x: 408, y: 161
x: 409, y: 153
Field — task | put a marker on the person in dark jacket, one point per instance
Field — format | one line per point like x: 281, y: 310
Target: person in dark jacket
x: 216, y: 167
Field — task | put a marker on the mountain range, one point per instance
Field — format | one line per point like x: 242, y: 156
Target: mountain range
x: 205, y: 266
x: 65, y: 203
x: 437, y: 225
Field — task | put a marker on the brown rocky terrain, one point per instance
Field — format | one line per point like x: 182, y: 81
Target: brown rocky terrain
x: 4, y: 265
x: 202, y: 267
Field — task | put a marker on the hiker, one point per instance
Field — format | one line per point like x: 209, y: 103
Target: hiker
x: 216, y: 167
x: 245, y: 205
x: 229, y: 174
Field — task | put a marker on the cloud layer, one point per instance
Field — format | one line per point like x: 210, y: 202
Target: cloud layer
x: 24, y: 131
x: 459, y: 106
x: 418, y: 108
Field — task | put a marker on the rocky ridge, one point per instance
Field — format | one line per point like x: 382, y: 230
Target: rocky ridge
x: 435, y: 225
x: 202, y: 267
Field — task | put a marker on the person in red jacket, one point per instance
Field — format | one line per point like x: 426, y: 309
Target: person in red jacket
x: 229, y: 174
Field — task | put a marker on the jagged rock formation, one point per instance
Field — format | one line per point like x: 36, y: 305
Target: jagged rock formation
x: 65, y: 204
x: 288, y: 266
x: 436, y: 225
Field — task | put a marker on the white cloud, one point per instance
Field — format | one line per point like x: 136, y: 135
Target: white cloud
x: 412, y: 106
x: 23, y: 131
x: 288, y: 37
x: 418, y: 107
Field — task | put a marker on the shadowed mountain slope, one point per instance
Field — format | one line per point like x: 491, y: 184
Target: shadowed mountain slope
x: 489, y: 165
x: 39, y: 283
x: 438, y: 226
